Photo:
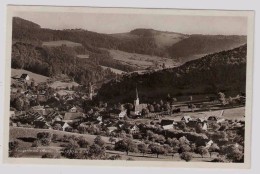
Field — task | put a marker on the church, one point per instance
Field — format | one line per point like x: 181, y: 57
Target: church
x: 137, y: 106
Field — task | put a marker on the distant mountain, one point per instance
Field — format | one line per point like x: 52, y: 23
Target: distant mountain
x: 177, y: 46
x: 224, y: 71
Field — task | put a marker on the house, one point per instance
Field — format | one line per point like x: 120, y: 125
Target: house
x: 73, y: 116
x: 35, y: 116
x: 186, y: 119
x: 41, y: 124
x: 215, y: 119
x: 134, y: 129
x: 39, y: 109
x: 209, y: 143
x: 167, y: 127
x: 24, y: 77
x: 63, y: 124
x: 111, y: 129
x: 73, y: 109
x: 122, y: 114
x: 168, y: 124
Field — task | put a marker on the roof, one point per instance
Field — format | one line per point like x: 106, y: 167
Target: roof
x: 140, y: 107
x: 23, y: 76
x: 112, y: 128
x: 72, y: 116
x: 62, y: 123
x: 186, y: 118
x: 167, y: 122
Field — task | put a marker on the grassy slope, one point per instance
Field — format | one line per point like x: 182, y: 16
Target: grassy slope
x: 38, y: 78
x: 140, y: 61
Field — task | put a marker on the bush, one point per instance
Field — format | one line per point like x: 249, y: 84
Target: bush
x: 186, y: 156
x: 218, y: 160
x: 109, y: 147
x: 47, y: 155
x: 83, y: 143
x: 115, y: 157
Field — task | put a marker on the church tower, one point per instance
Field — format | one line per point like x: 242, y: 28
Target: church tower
x: 136, y: 102
x: 90, y: 91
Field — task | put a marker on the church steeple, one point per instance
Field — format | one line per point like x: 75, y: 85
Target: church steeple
x: 136, y: 102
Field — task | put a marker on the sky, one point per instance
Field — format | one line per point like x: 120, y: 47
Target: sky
x: 121, y: 23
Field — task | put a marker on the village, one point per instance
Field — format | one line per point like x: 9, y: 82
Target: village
x: 62, y: 111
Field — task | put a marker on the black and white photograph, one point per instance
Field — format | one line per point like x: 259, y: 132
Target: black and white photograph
x: 144, y: 86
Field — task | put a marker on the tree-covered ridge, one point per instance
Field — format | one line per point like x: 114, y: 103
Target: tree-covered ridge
x: 223, y: 71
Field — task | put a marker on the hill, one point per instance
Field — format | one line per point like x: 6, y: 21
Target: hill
x: 224, y: 71
x: 197, y: 45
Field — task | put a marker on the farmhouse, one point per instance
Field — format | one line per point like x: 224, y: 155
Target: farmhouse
x: 111, y: 129
x: 63, y: 124
x: 41, y: 124
x: 72, y: 117
x: 24, y: 77
x: 122, y: 114
x: 39, y: 109
x: 168, y: 124
x: 186, y: 119
x: 134, y: 129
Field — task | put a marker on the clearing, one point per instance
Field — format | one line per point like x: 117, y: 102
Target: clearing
x: 117, y: 71
x: 141, y: 61
x: 59, y: 43
x: 62, y: 85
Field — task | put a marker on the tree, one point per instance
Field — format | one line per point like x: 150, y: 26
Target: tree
x: 145, y: 112
x: 96, y: 152
x: 213, y: 148
x: 215, y: 126
x: 151, y: 108
x: 83, y: 143
x: 233, y: 152
x: 126, y: 145
x: 112, y: 139
x: 98, y: 140
x: 156, y: 149
x: 71, y: 151
x: 184, y: 148
x: 13, y: 146
x: 202, y: 151
x: 187, y: 156
x: 142, y: 148
x: 199, y: 128
x: 18, y: 104
x: 57, y: 126
x: 193, y: 147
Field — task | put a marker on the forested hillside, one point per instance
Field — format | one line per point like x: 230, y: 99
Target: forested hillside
x: 204, y: 44
x: 142, y: 41
x: 224, y: 71
x: 57, y: 60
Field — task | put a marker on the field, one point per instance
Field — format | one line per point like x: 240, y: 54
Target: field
x: 16, y: 73
x: 25, y: 135
x: 141, y: 61
x: 117, y: 71
x: 63, y: 85
x: 60, y: 43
